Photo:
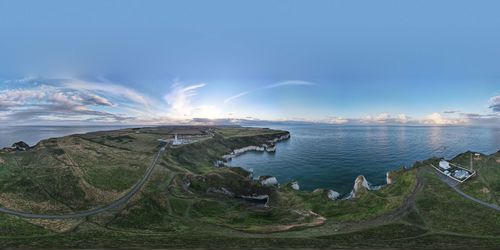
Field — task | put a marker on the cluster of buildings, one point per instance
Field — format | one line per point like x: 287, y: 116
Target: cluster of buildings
x: 454, y: 171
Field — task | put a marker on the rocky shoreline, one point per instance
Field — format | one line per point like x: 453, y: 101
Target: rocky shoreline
x: 269, y: 146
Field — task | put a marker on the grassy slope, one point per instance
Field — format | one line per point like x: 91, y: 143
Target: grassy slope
x: 445, y: 210
x: 486, y: 185
x: 166, y: 214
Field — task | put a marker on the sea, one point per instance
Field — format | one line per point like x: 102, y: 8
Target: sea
x: 332, y: 156
x: 326, y: 156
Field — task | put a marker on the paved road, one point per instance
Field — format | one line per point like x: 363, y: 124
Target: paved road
x: 453, y: 184
x: 121, y: 201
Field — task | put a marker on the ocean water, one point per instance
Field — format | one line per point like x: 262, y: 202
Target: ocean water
x: 33, y: 134
x: 324, y: 156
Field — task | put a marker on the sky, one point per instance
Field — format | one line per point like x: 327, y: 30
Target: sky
x: 167, y: 62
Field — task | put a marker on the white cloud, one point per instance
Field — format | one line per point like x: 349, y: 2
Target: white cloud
x: 380, y: 118
x: 179, y: 100
x: 335, y: 120
x: 438, y: 119
x: 236, y: 96
x: 35, y: 103
x: 109, y: 89
x: 402, y: 118
x: 20, y: 96
x: 388, y: 118
x: 288, y: 83
x: 495, y: 103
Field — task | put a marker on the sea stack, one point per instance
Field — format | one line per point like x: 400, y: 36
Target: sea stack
x: 388, y: 178
x: 359, y: 184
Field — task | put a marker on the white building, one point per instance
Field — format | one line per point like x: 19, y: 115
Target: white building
x: 461, y: 174
x: 444, y: 164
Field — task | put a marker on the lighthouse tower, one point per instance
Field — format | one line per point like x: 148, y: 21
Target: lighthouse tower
x: 176, y: 141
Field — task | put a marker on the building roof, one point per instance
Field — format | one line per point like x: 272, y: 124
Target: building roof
x: 444, y: 164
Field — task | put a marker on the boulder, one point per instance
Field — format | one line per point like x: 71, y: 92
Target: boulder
x: 268, y: 181
x: 333, y: 195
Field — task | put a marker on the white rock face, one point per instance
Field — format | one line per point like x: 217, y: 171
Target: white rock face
x: 281, y: 138
x: 332, y: 195
x: 270, y: 146
x: 271, y: 149
x: 295, y: 186
x: 269, y: 181
x: 359, y: 184
x: 388, y: 178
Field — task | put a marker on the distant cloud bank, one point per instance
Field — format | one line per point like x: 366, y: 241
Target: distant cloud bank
x: 32, y: 100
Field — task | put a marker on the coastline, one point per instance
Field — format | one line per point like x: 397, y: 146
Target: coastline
x: 270, y: 146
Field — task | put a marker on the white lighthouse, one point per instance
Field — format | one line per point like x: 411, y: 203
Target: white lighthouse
x: 176, y: 141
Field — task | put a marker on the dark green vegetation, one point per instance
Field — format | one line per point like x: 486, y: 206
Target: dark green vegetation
x: 189, y: 203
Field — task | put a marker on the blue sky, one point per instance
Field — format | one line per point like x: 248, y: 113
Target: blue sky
x: 363, y: 62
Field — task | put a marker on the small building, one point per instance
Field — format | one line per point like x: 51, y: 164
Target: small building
x: 444, y: 164
x: 461, y: 174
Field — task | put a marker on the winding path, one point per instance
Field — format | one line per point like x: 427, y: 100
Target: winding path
x: 453, y: 184
x: 121, y: 201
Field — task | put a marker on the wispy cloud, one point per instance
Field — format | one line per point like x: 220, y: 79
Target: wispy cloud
x: 43, y: 102
x: 288, y: 83
x: 275, y: 85
x: 236, y: 96
x: 33, y: 100
x: 109, y: 89
x: 179, y: 99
